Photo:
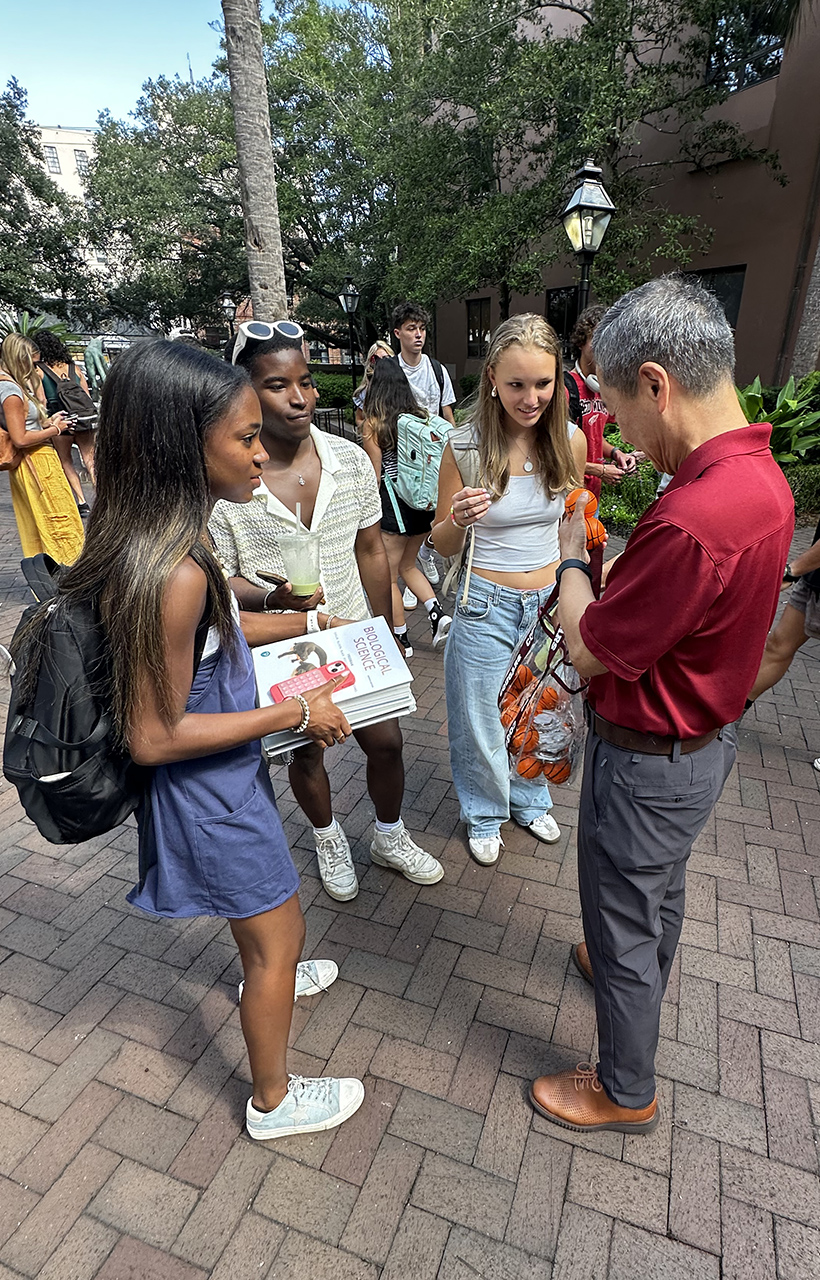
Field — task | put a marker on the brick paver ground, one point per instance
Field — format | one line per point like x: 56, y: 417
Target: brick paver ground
x: 123, y: 1074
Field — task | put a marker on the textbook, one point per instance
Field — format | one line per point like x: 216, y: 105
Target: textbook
x: 376, y: 683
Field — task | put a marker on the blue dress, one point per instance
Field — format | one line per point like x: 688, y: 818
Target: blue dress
x: 210, y: 837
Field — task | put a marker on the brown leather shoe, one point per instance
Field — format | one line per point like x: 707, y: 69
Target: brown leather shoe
x: 580, y: 956
x: 576, y: 1100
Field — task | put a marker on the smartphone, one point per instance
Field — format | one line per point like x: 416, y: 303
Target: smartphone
x: 275, y: 579
x: 312, y: 679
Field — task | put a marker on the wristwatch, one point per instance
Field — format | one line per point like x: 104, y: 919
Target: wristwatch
x: 788, y: 576
x: 572, y: 564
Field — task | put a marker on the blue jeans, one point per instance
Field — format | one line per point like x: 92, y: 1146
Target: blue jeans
x: 480, y: 645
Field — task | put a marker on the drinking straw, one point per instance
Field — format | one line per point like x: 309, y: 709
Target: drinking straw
x: 298, y: 517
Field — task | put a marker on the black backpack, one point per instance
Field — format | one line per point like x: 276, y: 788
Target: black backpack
x: 60, y: 750
x: 70, y: 396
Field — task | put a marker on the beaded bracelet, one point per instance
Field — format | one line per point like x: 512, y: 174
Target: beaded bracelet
x: 305, y: 721
x: 453, y: 519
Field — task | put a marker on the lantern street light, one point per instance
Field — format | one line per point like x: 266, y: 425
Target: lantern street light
x: 585, y: 220
x: 228, y: 305
x: 349, y: 299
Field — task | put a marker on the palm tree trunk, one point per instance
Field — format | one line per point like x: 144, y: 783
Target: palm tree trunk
x: 257, y: 175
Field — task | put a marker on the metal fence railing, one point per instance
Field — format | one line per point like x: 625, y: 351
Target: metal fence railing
x: 333, y: 422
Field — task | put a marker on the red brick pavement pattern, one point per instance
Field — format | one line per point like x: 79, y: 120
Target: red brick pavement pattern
x: 123, y: 1075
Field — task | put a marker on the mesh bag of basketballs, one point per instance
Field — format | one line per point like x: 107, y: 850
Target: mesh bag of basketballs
x: 541, y: 703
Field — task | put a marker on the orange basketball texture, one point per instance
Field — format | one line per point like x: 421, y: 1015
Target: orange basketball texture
x: 529, y: 767
x: 547, y: 700
x: 596, y: 533
x: 558, y: 772
x: 572, y: 498
x: 524, y: 740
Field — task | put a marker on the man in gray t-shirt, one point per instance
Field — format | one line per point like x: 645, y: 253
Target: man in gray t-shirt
x: 430, y: 381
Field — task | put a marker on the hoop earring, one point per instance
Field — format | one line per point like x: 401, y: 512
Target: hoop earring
x: 494, y: 392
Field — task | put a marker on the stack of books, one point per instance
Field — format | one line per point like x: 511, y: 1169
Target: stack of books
x: 376, y: 685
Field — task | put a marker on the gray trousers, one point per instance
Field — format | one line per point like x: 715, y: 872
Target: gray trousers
x: 639, y: 816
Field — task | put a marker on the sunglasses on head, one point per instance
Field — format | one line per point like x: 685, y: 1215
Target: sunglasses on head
x: 261, y: 331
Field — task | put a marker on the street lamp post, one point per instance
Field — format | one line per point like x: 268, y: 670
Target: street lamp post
x: 349, y: 299
x: 229, y: 307
x: 585, y: 220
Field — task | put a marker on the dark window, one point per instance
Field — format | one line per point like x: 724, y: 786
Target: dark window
x: 81, y: 158
x: 562, y: 312
x: 318, y: 353
x: 746, y: 48
x: 52, y: 159
x: 726, y: 283
x: 478, y: 327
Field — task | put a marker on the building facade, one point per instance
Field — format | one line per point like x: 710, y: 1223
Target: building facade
x: 764, y: 257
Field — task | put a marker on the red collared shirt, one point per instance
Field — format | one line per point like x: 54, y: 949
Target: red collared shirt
x: 683, y: 622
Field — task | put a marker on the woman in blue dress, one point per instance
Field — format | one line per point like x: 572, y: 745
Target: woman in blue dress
x: 179, y: 430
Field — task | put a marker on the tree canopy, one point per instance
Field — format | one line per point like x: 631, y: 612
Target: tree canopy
x: 41, y: 229
x: 427, y: 149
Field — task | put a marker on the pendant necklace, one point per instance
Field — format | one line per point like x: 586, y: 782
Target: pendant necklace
x: 527, y: 463
x: 300, y: 477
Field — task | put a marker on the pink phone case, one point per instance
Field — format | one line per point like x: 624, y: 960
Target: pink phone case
x: 312, y: 679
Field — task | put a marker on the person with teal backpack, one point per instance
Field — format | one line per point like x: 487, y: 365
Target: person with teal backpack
x: 405, y: 443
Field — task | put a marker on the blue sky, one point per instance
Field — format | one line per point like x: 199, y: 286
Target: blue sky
x: 100, y: 56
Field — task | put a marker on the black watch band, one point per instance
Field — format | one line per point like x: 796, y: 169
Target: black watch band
x: 572, y: 564
x: 788, y: 576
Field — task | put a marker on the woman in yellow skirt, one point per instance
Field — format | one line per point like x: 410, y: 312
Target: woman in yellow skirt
x: 44, y: 506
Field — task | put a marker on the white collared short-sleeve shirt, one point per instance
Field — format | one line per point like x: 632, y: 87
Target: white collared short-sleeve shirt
x: 347, y: 501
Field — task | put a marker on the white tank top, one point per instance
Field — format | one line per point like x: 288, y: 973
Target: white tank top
x: 520, y: 531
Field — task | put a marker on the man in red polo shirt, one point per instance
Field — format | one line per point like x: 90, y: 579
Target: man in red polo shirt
x: 672, y: 650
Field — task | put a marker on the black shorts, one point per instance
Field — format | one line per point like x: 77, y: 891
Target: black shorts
x: 415, y: 522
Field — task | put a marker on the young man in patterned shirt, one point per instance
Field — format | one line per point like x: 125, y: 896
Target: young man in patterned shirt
x: 333, y: 481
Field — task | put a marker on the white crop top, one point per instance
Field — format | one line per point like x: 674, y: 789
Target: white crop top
x: 520, y: 530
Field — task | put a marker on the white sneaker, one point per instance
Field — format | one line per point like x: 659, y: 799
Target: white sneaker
x: 336, y: 865
x: 485, y: 849
x: 310, y: 1105
x: 395, y: 849
x: 816, y: 764
x: 429, y: 568
x: 408, y: 599
x: 312, y: 976
x: 545, y: 828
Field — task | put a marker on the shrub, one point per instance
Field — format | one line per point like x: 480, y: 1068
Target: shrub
x: 335, y: 390
x: 804, y: 481
x: 623, y: 504
x: 468, y: 384
x: 795, y: 424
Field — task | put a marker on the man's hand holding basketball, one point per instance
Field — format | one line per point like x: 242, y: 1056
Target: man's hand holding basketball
x: 572, y: 533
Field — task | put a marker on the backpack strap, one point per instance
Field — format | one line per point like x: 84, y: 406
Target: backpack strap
x: 465, y: 453
x: 42, y: 573
x: 393, y: 496
x: 438, y: 370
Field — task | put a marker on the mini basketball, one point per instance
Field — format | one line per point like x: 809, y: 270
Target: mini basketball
x: 558, y: 771
x: 573, y: 496
x: 547, y: 700
x: 524, y: 739
x: 529, y: 767
x: 596, y: 533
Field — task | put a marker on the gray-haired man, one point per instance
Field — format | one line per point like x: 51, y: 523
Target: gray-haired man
x: 672, y: 650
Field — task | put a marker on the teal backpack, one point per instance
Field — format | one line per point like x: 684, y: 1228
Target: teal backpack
x: 419, y: 447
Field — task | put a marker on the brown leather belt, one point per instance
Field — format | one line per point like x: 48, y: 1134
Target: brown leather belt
x: 649, y: 744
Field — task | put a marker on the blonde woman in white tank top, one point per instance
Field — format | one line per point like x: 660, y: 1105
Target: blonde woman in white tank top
x: 524, y: 455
